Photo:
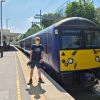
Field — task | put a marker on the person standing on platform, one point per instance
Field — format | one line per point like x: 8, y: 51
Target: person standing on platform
x: 36, y: 58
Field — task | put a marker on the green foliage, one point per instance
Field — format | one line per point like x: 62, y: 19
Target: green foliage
x: 98, y: 15
x: 81, y: 8
x: 50, y: 18
x: 19, y: 37
x: 35, y: 28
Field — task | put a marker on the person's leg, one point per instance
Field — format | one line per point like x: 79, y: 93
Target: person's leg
x: 39, y: 73
x: 31, y: 73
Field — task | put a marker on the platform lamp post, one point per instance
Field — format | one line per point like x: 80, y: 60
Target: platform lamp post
x: 1, y: 1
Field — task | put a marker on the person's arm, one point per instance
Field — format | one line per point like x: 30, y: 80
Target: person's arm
x: 31, y: 52
x: 31, y: 55
x: 42, y: 54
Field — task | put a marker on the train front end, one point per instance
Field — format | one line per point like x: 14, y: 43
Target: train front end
x: 80, y: 48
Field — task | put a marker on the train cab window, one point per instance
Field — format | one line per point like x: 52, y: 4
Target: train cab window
x: 71, y: 39
x: 92, y: 39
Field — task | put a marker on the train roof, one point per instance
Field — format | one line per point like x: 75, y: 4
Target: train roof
x: 75, y: 21
x: 72, y: 21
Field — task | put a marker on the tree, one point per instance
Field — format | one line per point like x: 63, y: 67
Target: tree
x: 19, y: 37
x: 50, y: 18
x: 35, y: 28
x: 81, y: 8
x: 98, y: 14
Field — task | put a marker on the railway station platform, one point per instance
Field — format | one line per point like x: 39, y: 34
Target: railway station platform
x: 14, y: 75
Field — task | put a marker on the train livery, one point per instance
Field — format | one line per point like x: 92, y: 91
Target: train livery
x: 71, y: 46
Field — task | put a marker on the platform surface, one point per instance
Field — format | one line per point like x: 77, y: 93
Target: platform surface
x: 12, y: 83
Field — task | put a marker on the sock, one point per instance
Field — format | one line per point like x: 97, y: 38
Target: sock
x: 40, y: 78
x: 30, y: 79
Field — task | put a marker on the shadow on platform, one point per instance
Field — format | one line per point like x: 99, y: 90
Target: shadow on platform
x: 36, y: 91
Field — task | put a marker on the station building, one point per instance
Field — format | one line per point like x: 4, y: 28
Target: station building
x: 8, y: 36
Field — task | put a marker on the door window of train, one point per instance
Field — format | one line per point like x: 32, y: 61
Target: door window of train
x: 71, y: 39
x: 46, y: 42
x: 92, y: 39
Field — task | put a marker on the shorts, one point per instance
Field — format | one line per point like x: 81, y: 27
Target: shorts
x: 35, y: 63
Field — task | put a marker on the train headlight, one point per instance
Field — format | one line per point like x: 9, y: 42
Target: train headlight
x: 70, y: 60
x: 97, y: 58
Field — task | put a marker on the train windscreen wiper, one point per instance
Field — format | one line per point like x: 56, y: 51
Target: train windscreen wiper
x: 96, y: 51
x: 74, y: 53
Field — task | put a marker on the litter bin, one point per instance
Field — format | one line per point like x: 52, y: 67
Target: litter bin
x: 1, y: 51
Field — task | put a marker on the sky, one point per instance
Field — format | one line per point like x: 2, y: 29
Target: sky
x: 21, y: 12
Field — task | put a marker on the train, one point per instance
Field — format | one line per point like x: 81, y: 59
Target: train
x: 72, y: 49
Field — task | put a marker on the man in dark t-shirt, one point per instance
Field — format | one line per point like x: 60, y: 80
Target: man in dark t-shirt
x: 36, y: 52
x: 36, y: 58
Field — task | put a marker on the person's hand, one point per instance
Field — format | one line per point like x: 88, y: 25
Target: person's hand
x: 41, y: 60
x: 29, y: 63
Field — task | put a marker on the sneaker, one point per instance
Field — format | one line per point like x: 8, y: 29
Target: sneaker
x: 30, y: 82
x: 40, y: 80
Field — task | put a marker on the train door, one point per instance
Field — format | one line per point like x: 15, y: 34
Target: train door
x: 46, y: 39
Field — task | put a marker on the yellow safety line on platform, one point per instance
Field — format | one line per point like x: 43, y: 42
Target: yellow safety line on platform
x: 17, y: 81
x: 22, y: 62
